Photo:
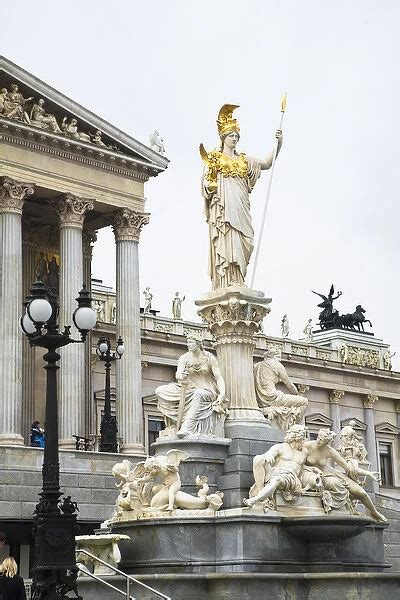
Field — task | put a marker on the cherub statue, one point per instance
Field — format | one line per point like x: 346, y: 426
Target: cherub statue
x: 157, y: 143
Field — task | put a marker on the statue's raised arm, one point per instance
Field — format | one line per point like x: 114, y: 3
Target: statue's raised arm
x: 228, y: 180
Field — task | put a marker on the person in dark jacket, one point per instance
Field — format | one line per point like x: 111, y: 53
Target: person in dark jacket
x: 11, y: 585
x: 37, y: 435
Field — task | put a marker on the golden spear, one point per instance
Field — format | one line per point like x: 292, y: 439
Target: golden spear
x: 283, y: 109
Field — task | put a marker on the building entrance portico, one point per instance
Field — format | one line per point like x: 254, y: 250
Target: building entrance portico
x: 62, y: 178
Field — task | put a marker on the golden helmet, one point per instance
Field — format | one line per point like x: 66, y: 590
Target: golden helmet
x: 226, y: 124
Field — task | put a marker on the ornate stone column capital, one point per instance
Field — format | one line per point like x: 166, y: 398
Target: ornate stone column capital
x: 303, y: 388
x: 72, y: 209
x: 335, y: 396
x: 127, y: 224
x: 89, y: 236
x: 13, y: 194
x: 369, y: 401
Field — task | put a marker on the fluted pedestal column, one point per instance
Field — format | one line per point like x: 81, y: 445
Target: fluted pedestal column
x: 127, y: 227
x: 334, y: 400
x: 234, y: 316
x: 28, y: 353
x: 71, y: 211
x: 12, y: 196
x: 88, y: 239
x: 370, y: 438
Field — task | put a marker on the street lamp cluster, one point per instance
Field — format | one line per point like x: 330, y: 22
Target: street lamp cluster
x: 108, y: 427
x: 54, y: 571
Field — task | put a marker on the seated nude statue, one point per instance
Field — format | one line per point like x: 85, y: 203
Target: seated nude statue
x: 279, y: 469
x: 285, y: 409
x: 340, y: 485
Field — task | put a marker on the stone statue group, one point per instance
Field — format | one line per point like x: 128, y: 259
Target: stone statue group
x: 31, y: 111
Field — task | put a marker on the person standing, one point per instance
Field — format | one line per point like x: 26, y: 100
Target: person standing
x: 11, y: 585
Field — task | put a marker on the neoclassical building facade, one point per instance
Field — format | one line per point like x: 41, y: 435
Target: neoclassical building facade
x: 65, y: 173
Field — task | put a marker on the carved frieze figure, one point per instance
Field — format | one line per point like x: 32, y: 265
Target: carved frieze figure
x: 196, y: 404
x: 285, y: 326
x: 279, y: 469
x: 96, y: 139
x: 177, y: 306
x: 148, y: 298
x: 308, y: 331
x: 14, y: 104
x: 154, y: 486
x: 71, y: 129
x: 157, y: 143
x: 387, y: 360
x: 39, y: 118
x: 228, y: 180
x: 3, y: 99
x: 284, y: 409
x: 344, y: 352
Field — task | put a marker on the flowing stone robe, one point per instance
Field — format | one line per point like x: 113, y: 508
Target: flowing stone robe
x: 286, y: 409
x: 230, y: 228
x: 199, y: 417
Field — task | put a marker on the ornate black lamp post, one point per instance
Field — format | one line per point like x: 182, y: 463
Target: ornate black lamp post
x: 108, y: 427
x: 54, y: 571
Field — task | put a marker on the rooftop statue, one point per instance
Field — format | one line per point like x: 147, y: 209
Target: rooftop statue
x: 228, y: 180
x: 285, y: 409
x: 196, y: 405
x: 157, y: 143
x: 329, y: 318
x: 177, y: 306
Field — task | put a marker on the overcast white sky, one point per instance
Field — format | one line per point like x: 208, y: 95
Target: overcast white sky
x: 334, y: 210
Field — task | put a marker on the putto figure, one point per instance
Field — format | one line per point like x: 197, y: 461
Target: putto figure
x: 153, y: 487
x: 284, y: 409
x: 196, y: 405
x: 228, y: 180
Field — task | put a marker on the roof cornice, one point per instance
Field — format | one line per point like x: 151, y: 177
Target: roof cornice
x: 155, y: 160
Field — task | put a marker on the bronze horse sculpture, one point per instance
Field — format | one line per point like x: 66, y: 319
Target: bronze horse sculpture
x: 329, y: 318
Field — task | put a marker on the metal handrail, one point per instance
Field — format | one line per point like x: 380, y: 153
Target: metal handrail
x: 128, y: 578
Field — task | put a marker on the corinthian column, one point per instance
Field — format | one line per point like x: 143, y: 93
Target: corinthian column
x: 127, y: 227
x: 334, y: 400
x: 71, y: 211
x: 368, y: 402
x: 89, y: 237
x: 12, y: 196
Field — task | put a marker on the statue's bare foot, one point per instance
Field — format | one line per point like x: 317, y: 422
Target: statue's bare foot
x: 248, y: 502
x: 379, y: 517
x: 181, y: 434
x: 169, y: 509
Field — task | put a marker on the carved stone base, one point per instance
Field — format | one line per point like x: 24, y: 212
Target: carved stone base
x: 234, y: 315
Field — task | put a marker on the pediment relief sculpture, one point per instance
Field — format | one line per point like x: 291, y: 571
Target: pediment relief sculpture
x: 32, y: 111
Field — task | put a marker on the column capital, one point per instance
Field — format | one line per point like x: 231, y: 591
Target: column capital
x: 89, y: 236
x: 13, y: 194
x: 72, y: 209
x: 303, y: 388
x: 127, y: 224
x: 335, y: 396
x: 369, y: 400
